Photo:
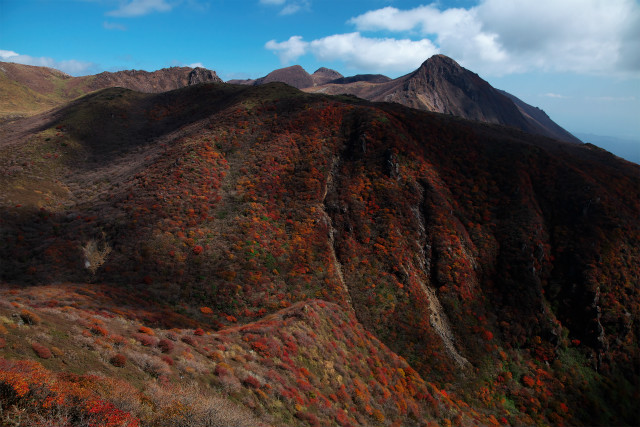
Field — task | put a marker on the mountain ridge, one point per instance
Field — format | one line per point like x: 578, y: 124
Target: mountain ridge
x: 29, y: 89
x: 440, y: 84
x: 235, y: 207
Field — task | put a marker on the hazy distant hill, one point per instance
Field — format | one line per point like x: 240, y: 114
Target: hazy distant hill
x: 626, y: 148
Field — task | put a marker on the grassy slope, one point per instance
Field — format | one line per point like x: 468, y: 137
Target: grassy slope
x: 246, y: 201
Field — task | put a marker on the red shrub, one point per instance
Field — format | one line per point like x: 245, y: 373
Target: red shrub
x: 528, y: 381
x: 119, y: 360
x: 145, y: 340
x: 312, y: 419
x: 252, y: 381
x: 165, y: 345
x: 98, y: 330
x: 221, y: 370
x: 197, y: 249
x: 42, y: 351
x: 487, y: 335
x: 39, y: 394
x: 199, y: 332
x: 167, y: 360
x: 145, y: 330
x: 29, y: 317
x: 189, y: 340
x: 118, y: 340
x: 2, y: 342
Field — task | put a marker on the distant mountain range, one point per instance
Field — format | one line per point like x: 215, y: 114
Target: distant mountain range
x: 255, y: 255
x: 440, y: 85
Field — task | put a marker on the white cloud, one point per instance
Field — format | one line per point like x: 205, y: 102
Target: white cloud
x: 289, y: 50
x: 113, y: 26
x: 357, y: 52
x: 134, y: 8
x: 554, y: 95
x: 196, y: 65
x: 71, y: 66
x: 5, y: 55
x: 375, y: 54
x: 506, y: 36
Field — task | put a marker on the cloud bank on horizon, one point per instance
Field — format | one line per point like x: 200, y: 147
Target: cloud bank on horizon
x: 496, y: 37
x: 71, y: 66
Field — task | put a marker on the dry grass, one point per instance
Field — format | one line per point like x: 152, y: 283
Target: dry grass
x: 191, y: 406
x: 94, y: 256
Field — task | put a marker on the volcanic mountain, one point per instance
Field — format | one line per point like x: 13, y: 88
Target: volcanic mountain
x: 440, y: 85
x: 25, y: 89
x: 236, y: 255
x: 295, y: 76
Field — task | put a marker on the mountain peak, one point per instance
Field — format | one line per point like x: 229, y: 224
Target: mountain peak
x: 324, y: 75
x: 294, y: 75
x: 441, y: 64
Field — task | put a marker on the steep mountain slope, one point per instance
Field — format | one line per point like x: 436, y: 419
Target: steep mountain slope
x: 496, y: 271
x: 541, y: 120
x: 443, y: 86
x: 27, y: 89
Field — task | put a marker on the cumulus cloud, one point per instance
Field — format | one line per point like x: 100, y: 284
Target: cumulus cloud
x: 357, y: 52
x: 377, y: 54
x: 288, y: 50
x: 506, y: 36
x: 196, y: 65
x: 496, y: 37
x: 133, y: 8
x: 71, y: 66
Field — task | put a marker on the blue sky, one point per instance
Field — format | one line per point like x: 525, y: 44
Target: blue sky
x: 579, y: 60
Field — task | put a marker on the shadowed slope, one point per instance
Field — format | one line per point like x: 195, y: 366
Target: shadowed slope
x: 500, y: 265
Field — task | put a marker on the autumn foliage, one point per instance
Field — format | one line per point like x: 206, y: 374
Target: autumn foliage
x: 351, y: 263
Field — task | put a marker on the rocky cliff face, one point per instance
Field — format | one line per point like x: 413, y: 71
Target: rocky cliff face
x: 443, y: 86
x: 153, y: 82
x: 202, y: 75
x: 25, y: 89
